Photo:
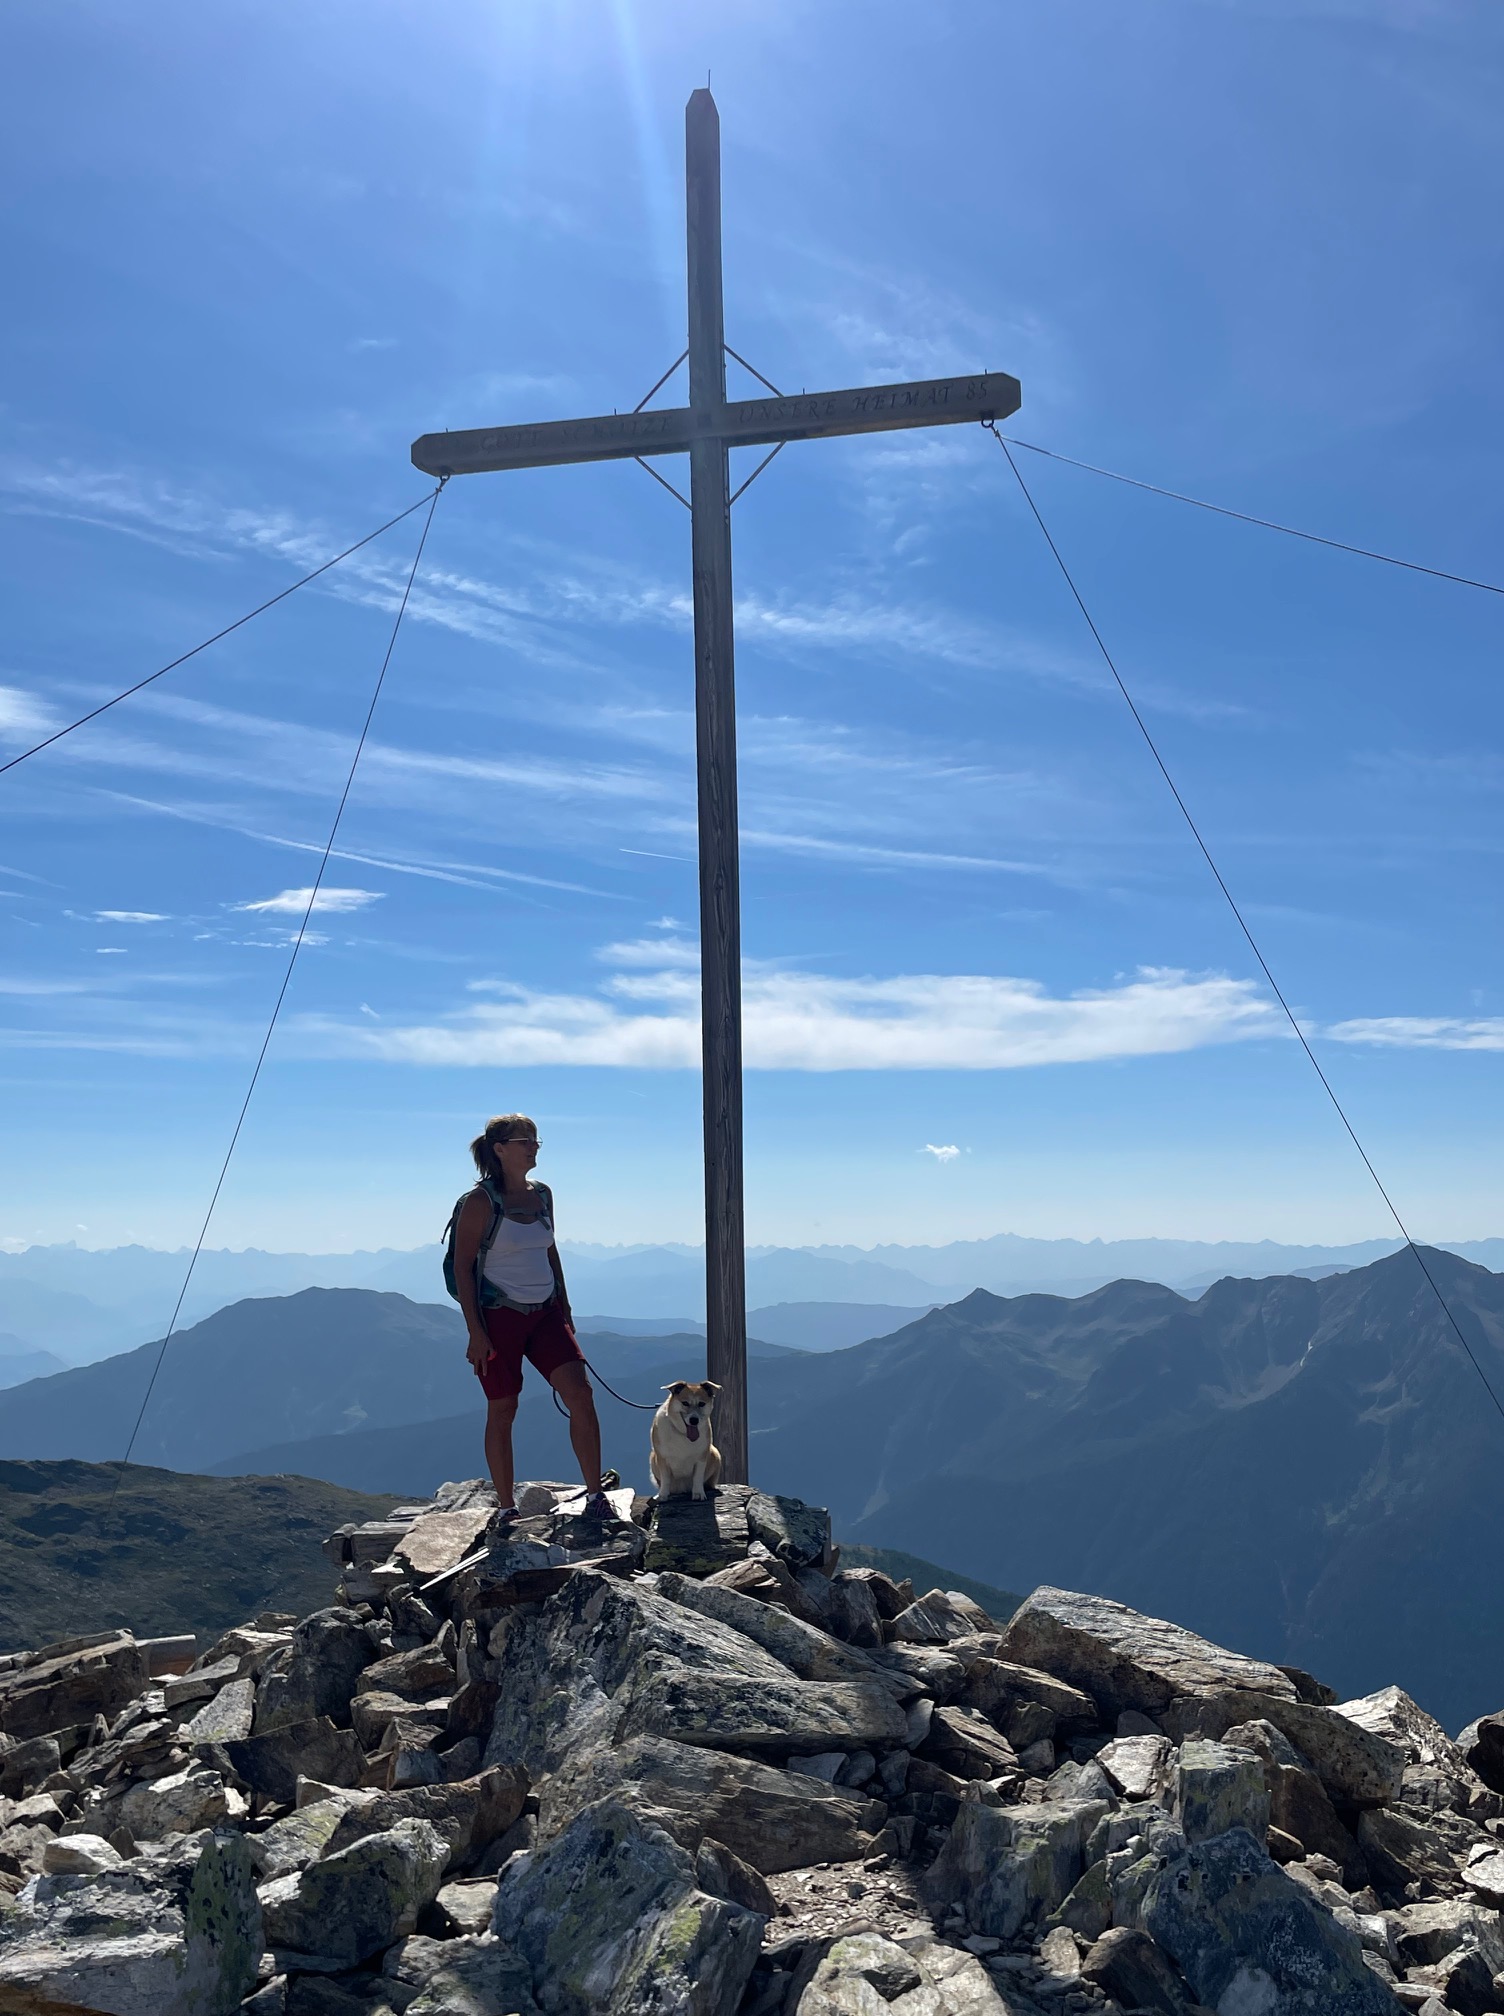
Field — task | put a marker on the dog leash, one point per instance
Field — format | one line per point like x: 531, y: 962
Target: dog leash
x: 642, y: 1406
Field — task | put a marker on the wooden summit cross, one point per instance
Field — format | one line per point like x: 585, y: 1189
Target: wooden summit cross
x: 704, y: 430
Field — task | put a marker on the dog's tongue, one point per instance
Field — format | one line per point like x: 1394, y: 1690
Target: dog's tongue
x: 692, y: 1430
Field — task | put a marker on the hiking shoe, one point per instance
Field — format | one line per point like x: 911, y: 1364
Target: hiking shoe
x: 610, y: 1480
x: 598, y: 1506
x: 502, y: 1522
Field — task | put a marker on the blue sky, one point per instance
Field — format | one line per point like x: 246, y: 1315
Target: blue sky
x: 1248, y: 251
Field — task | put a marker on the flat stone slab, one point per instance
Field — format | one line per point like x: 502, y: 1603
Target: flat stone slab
x: 440, y: 1540
x: 698, y: 1536
x: 1124, y: 1659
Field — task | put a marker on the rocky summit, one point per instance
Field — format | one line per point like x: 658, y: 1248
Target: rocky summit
x: 681, y: 1763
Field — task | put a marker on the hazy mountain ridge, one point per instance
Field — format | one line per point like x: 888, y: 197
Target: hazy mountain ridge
x: 86, y: 1304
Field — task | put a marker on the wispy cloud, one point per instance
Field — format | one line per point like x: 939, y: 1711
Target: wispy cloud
x: 1421, y: 1032
x: 23, y: 715
x: 814, y: 1022
x: 946, y: 1154
x: 131, y: 917
x: 293, y: 902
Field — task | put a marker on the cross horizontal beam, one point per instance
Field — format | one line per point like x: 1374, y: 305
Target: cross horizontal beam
x: 862, y: 409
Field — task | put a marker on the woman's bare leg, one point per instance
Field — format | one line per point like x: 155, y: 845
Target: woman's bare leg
x: 573, y: 1388
x: 500, y: 1415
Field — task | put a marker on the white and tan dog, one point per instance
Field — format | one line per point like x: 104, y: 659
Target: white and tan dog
x: 683, y: 1456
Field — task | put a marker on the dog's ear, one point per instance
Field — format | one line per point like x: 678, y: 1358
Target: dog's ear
x: 710, y: 1386
x: 677, y: 1387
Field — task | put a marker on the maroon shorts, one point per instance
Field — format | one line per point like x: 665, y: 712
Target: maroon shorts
x: 540, y: 1335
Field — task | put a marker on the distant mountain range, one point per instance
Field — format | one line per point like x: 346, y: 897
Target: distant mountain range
x: 85, y: 1304
x: 1309, y: 1468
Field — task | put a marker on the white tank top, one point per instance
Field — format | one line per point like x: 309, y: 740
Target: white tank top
x: 517, y: 1263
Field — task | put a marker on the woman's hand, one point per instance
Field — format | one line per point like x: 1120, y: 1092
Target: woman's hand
x: 479, y: 1350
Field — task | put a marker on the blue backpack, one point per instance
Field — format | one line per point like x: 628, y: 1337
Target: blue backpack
x: 485, y: 1295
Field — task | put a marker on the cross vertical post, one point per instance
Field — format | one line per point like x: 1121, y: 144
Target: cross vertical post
x: 706, y: 430
x: 715, y: 742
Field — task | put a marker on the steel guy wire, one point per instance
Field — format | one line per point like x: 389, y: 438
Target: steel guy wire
x: 1242, y: 922
x: 292, y: 961
x: 239, y: 624
x: 1250, y: 518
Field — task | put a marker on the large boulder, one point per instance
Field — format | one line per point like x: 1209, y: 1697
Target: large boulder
x: 317, y: 1673
x: 1125, y: 1660
x: 1481, y: 1745
x: 1357, y: 1767
x: 1400, y: 1848
x: 272, y: 1763
x: 795, y: 1533
x: 1249, y: 1939
x: 610, y: 1920
x: 360, y: 1901
x: 475, y: 1977
x: 808, y: 1652
x: 1008, y: 1867
x: 604, y: 1660
x: 1217, y: 1787
x: 177, y: 1933
x: 61, y: 1686
x: 772, y: 1819
x: 862, y: 1973
x: 1127, y: 1965
x: 1027, y: 1705
x: 1298, y: 1802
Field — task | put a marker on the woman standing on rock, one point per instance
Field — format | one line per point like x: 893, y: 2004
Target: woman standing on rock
x: 509, y: 1281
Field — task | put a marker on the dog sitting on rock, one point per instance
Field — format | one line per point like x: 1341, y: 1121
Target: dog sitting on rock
x: 683, y: 1457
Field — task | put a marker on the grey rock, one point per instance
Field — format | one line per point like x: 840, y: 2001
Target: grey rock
x: 1483, y: 1873
x: 1392, y: 1714
x: 297, y: 1839
x: 1028, y: 1706
x: 273, y: 1763
x: 360, y: 1901
x: 1481, y: 1745
x: 1400, y: 1849
x: 183, y: 1802
x: 698, y: 1537
x: 609, y: 1918
x: 1357, y: 1767
x: 773, y: 1819
x: 1247, y: 1938
x: 317, y: 1672
x: 1217, y: 1787
x: 469, y: 1815
x: 937, y: 1618
x: 1124, y: 1659
x: 719, y: 1873
x: 602, y: 1661
x: 466, y: 1906
x: 853, y: 1614
x: 1127, y: 1965
x: 805, y: 1649
x: 1427, y: 1932
x: 1136, y: 1765
x: 863, y: 1973
x: 1298, y: 1803
x: 859, y: 1769
x: 47, y: 1693
x: 1059, y: 1954
x: 795, y: 1533
x: 858, y: 1973
x: 79, y: 1855
x: 1087, y: 1911
x: 417, y: 1675
x: 476, y: 1977
x: 177, y: 1933
x: 824, y: 1765
x: 1461, y: 1982
x: 24, y: 1765
x: 226, y: 1718
x: 1007, y: 1867
x: 965, y: 1742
